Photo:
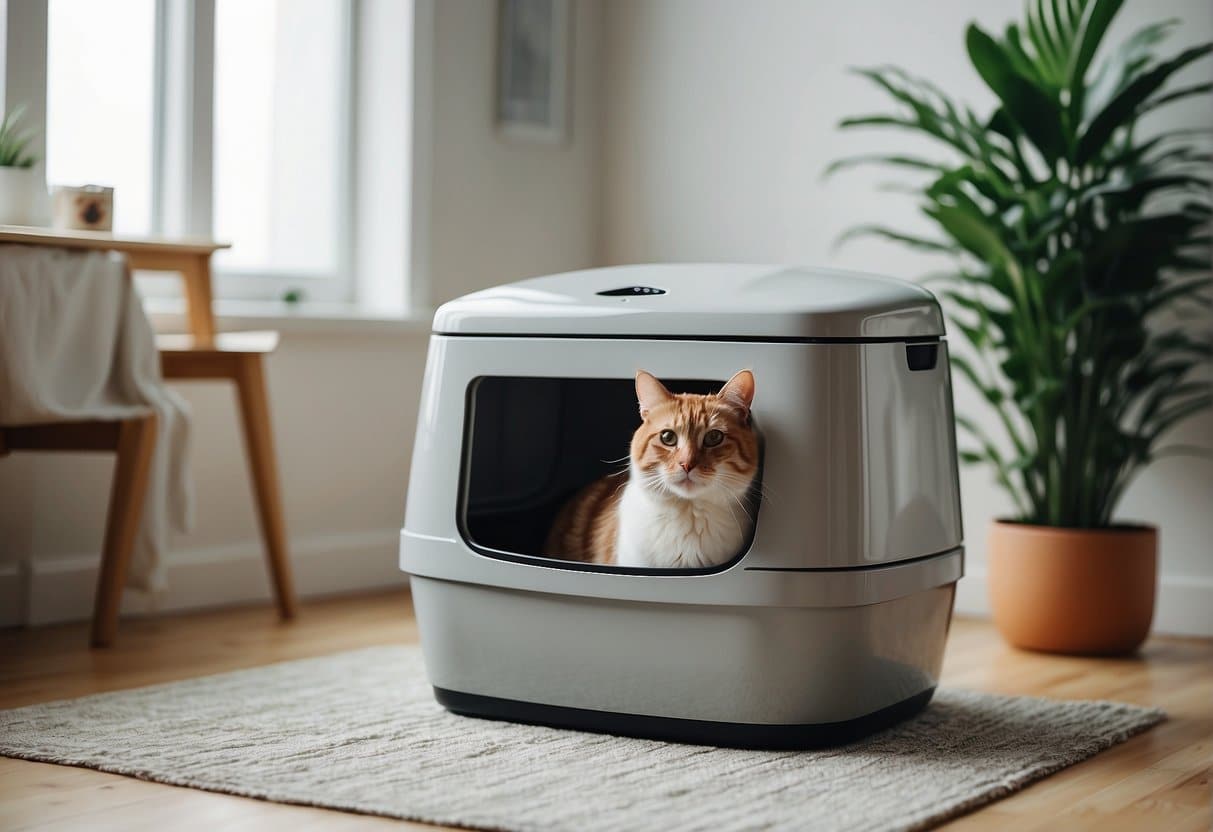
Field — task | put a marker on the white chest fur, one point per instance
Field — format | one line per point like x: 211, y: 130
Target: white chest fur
x: 659, y: 531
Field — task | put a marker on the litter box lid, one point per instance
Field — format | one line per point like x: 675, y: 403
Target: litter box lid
x: 700, y: 301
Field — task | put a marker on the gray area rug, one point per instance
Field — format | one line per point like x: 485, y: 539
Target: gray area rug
x: 360, y: 731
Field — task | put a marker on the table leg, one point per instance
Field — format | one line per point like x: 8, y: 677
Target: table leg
x: 196, y: 273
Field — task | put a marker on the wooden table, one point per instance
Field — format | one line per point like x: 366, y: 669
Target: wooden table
x: 191, y: 258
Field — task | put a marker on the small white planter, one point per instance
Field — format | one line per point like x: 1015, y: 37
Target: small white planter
x: 18, y: 195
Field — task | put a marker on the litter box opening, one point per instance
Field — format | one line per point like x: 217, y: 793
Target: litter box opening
x: 530, y: 443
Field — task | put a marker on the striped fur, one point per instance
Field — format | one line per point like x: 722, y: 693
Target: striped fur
x: 682, y: 505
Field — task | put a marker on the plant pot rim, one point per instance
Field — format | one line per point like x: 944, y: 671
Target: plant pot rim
x: 1115, y: 529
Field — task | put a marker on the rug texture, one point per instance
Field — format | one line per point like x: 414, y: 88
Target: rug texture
x: 360, y: 731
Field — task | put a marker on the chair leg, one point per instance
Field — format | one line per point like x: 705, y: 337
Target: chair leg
x: 136, y: 444
x: 259, y: 444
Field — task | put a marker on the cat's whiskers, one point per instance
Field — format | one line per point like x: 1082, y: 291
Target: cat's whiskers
x: 655, y: 481
x: 742, y: 482
x: 734, y: 482
x: 733, y: 516
x: 764, y: 490
x: 740, y: 505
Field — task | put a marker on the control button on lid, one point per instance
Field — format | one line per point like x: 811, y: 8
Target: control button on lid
x: 631, y: 290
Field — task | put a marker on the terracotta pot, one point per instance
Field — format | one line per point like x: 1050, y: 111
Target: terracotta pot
x: 1085, y: 591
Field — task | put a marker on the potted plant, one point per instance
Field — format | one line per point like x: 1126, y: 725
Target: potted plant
x: 1079, y: 243
x: 18, y: 179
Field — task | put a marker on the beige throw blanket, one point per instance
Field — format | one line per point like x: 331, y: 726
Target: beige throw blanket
x: 75, y: 344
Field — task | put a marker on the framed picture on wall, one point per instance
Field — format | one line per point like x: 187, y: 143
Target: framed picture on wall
x: 533, y: 46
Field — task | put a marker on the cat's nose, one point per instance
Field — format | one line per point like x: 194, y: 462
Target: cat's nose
x: 687, y: 465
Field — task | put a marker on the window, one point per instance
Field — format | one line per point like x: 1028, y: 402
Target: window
x: 223, y: 118
x: 99, y: 98
x: 280, y: 91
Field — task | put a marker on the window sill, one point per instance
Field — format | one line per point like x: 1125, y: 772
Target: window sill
x: 310, y: 317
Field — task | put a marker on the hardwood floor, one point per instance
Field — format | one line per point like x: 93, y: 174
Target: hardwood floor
x: 1156, y: 781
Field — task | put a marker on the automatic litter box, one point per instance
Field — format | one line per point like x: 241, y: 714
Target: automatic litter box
x: 829, y: 625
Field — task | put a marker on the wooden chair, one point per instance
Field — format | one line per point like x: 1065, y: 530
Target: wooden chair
x: 202, y: 354
x: 134, y: 440
x: 238, y: 357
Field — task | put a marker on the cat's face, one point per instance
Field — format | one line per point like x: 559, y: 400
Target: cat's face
x: 692, y: 446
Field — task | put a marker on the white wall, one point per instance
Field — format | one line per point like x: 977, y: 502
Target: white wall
x: 718, y: 120
x: 504, y: 211
x: 343, y: 405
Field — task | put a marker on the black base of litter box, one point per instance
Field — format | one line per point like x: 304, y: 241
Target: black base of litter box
x: 694, y: 731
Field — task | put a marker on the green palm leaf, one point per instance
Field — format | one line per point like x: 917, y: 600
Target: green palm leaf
x: 1128, y: 102
x: 1026, y: 103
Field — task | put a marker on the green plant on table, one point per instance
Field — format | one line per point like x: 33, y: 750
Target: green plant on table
x: 1080, y: 242
x: 14, y: 141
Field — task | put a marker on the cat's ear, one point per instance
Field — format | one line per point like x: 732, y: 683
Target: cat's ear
x: 650, y: 392
x: 739, y: 392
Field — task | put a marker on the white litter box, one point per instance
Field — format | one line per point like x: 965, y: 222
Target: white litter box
x: 829, y: 625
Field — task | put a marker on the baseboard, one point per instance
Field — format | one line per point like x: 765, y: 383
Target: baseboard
x: 12, y: 595
x: 1183, y: 605
x: 62, y: 589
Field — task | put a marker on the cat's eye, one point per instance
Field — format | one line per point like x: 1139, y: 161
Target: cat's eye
x: 668, y: 437
x: 712, y: 438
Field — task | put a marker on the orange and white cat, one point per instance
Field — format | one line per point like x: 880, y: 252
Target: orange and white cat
x: 685, y: 503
